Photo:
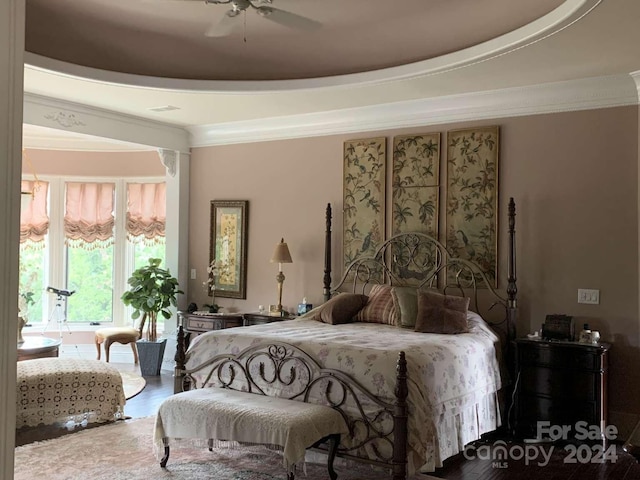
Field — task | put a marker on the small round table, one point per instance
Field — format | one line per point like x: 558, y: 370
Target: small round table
x: 38, y: 347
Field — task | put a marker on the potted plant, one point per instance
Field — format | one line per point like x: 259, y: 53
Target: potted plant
x: 152, y: 291
x: 210, y: 286
x: 24, y: 300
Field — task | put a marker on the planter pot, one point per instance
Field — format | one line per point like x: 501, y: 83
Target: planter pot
x: 151, y: 355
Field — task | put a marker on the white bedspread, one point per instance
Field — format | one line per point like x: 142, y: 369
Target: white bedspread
x: 453, y: 379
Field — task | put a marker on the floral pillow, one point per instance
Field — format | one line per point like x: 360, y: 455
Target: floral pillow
x: 380, y: 307
x: 339, y: 309
x: 439, y: 313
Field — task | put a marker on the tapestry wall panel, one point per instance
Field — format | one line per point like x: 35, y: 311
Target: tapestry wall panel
x: 364, y: 197
x: 472, y: 197
x: 415, y: 198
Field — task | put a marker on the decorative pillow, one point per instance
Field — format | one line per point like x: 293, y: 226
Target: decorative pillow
x: 439, y: 313
x: 406, y: 301
x: 380, y: 308
x: 339, y: 309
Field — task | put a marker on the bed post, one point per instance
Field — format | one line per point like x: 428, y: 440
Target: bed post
x: 400, y: 422
x: 512, y: 289
x: 180, y: 358
x: 327, y: 255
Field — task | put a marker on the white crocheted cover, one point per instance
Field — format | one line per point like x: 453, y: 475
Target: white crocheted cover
x: 67, y: 391
x: 222, y: 414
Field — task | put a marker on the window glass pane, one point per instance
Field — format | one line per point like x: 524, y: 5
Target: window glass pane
x: 90, y: 274
x: 32, y: 279
x: 143, y: 252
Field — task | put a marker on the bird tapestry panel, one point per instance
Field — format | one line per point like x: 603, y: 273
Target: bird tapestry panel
x: 416, y: 192
x: 364, y: 197
x: 472, y: 198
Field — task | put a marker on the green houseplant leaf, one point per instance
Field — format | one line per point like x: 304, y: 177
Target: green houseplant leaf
x: 152, y: 290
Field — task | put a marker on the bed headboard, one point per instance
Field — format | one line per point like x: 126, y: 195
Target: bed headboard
x: 417, y: 259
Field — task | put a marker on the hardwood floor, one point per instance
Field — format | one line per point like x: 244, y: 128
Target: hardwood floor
x: 560, y: 462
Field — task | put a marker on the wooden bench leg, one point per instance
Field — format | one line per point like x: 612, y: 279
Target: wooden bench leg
x: 165, y: 459
x: 134, y: 349
x: 98, y: 347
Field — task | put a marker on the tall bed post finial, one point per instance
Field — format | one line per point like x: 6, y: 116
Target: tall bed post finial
x: 327, y: 255
x: 512, y: 289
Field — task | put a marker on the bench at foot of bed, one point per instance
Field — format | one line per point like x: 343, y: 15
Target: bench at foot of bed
x: 223, y: 414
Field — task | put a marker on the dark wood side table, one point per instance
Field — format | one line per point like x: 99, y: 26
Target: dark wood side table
x: 560, y: 382
x: 38, y: 347
x: 261, y: 318
x: 195, y: 324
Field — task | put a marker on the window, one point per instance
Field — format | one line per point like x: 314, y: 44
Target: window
x: 88, y: 247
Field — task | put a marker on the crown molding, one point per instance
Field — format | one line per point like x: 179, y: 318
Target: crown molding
x: 584, y: 94
x: 85, y: 120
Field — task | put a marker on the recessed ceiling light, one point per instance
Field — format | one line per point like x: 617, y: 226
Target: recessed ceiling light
x: 164, y: 108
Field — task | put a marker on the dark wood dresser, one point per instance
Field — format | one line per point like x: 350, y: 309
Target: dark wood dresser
x: 560, y: 382
x: 195, y: 324
x: 260, y: 318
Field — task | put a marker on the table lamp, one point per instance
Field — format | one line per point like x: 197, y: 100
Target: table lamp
x: 280, y: 255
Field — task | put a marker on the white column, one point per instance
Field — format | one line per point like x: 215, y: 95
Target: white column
x: 177, y: 234
x: 12, y: 15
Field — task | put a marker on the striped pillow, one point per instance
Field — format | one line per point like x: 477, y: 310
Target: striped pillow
x: 380, y: 307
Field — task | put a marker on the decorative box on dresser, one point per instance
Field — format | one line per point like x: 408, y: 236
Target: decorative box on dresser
x: 560, y: 382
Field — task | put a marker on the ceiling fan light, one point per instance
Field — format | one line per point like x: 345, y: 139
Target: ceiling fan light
x: 264, y: 11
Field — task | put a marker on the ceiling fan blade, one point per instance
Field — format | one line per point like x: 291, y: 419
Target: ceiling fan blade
x: 225, y: 26
x: 288, y: 19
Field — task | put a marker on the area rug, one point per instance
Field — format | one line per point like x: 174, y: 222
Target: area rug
x: 132, y: 384
x: 124, y: 451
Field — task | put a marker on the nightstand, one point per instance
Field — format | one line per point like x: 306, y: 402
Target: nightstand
x: 260, y: 318
x: 196, y: 323
x: 560, y: 382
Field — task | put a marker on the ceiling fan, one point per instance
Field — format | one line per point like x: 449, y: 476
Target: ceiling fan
x: 263, y: 8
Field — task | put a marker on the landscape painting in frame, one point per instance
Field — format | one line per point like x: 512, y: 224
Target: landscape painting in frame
x: 416, y: 190
x: 228, y: 247
x: 472, y: 198
x: 363, y: 198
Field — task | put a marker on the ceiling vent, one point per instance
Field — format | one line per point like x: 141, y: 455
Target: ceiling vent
x: 164, y: 108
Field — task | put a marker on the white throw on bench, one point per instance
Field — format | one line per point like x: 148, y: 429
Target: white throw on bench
x: 224, y: 414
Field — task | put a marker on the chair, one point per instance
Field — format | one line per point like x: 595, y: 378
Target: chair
x: 121, y: 335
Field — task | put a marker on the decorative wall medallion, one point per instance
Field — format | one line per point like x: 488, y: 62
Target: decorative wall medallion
x: 64, y: 119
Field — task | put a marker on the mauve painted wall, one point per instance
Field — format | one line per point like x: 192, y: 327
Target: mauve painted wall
x: 574, y: 177
x: 94, y: 164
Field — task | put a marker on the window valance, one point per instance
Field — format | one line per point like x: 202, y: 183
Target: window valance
x: 34, y: 220
x: 89, y: 218
x: 146, y: 211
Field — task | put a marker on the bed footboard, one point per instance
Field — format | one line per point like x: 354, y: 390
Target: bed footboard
x: 284, y: 370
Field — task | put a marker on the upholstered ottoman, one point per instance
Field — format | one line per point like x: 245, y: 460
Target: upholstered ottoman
x: 121, y: 335
x: 67, y: 391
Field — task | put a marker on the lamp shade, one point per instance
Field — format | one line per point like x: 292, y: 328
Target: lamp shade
x: 281, y: 253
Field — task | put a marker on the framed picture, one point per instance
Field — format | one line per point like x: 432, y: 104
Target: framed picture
x: 228, y: 247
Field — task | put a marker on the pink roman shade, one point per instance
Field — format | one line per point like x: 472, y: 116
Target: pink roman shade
x: 88, y: 218
x: 146, y: 211
x: 34, y: 220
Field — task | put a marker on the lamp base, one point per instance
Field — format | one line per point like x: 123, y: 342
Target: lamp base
x: 275, y: 310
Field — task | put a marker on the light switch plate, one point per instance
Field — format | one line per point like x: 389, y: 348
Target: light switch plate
x: 589, y: 296
x: 193, y: 274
